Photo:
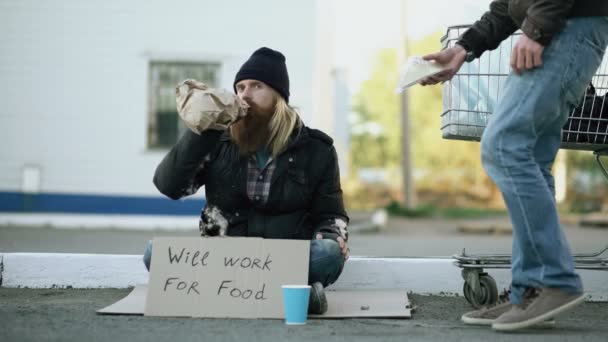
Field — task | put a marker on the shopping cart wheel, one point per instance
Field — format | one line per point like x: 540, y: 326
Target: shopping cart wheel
x: 483, y: 294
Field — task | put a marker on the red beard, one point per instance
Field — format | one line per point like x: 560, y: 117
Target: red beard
x: 251, y: 132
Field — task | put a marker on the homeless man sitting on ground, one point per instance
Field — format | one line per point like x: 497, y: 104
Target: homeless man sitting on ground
x: 267, y: 175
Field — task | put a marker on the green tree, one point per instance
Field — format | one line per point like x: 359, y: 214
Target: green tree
x: 445, y: 162
x: 586, y: 184
x: 441, y: 165
x: 375, y: 130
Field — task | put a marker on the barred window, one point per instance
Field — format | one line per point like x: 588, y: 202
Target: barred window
x: 164, y: 124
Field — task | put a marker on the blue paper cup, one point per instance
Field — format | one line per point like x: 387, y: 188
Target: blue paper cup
x: 295, y: 298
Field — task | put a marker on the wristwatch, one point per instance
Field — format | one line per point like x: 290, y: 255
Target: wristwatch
x: 470, y: 56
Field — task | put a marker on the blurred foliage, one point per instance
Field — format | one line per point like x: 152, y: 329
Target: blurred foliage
x: 447, y: 173
x: 442, y: 167
x: 431, y: 210
x: 587, y: 188
x: 375, y: 130
x: 364, y: 196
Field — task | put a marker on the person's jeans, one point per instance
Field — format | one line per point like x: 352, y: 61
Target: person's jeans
x: 325, y: 266
x: 520, y: 143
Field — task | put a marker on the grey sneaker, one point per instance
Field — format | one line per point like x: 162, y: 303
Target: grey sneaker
x: 487, y: 315
x: 317, y: 304
x: 545, y: 304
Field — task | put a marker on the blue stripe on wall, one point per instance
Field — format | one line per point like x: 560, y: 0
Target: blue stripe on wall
x: 97, y: 204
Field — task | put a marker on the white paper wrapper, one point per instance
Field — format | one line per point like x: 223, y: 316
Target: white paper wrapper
x: 414, y: 70
x: 202, y: 108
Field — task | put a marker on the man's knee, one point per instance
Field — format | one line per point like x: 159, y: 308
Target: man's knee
x: 326, y: 261
x: 499, y: 153
x: 489, y: 150
x: 325, y: 248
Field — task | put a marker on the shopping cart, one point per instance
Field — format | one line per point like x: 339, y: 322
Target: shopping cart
x: 469, y: 99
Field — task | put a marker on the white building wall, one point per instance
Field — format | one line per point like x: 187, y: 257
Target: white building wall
x: 74, y: 79
x: 342, y: 108
x: 323, y: 114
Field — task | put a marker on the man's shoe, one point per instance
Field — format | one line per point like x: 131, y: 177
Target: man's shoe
x: 545, y: 304
x: 317, y: 304
x: 487, y: 315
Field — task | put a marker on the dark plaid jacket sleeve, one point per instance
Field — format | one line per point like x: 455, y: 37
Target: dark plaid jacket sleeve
x: 179, y: 173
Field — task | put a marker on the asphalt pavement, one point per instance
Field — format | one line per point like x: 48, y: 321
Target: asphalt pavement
x: 69, y: 315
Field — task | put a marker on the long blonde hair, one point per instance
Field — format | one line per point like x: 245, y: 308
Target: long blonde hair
x: 284, y: 120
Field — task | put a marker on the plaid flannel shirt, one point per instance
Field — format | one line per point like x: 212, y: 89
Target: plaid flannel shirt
x: 258, y: 181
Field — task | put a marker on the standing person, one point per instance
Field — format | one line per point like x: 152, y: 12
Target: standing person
x: 561, y: 46
x: 267, y: 175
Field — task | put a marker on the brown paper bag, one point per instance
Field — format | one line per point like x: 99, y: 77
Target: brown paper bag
x: 202, y: 108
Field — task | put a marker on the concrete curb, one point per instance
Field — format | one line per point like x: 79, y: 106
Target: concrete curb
x: 419, y: 275
x: 120, y: 222
x: 137, y: 222
x: 50, y: 270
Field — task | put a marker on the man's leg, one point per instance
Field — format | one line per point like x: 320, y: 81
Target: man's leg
x: 545, y: 159
x: 518, y: 149
x: 508, y: 146
x: 326, y: 263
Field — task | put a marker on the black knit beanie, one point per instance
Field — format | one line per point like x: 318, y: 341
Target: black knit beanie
x: 268, y: 66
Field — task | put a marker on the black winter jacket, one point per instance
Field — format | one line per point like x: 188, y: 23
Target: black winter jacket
x: 305, y: 195
x: 540, y: 20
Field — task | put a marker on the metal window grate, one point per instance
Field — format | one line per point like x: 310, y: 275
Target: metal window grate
x: 164, y: 125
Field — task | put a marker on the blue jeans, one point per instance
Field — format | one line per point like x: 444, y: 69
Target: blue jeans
x: 325, y: 266
x: 520, y: 143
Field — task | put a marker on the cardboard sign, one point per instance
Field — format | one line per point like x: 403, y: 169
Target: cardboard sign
x: 224, y: 277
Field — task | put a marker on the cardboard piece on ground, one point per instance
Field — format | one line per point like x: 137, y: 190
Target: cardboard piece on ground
x: 367, y: 303
x: 133, y: 304
x: 341, y: 304
x: 223, y: 277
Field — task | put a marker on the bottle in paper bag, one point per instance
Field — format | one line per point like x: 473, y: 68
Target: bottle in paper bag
x: 202, y: 108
